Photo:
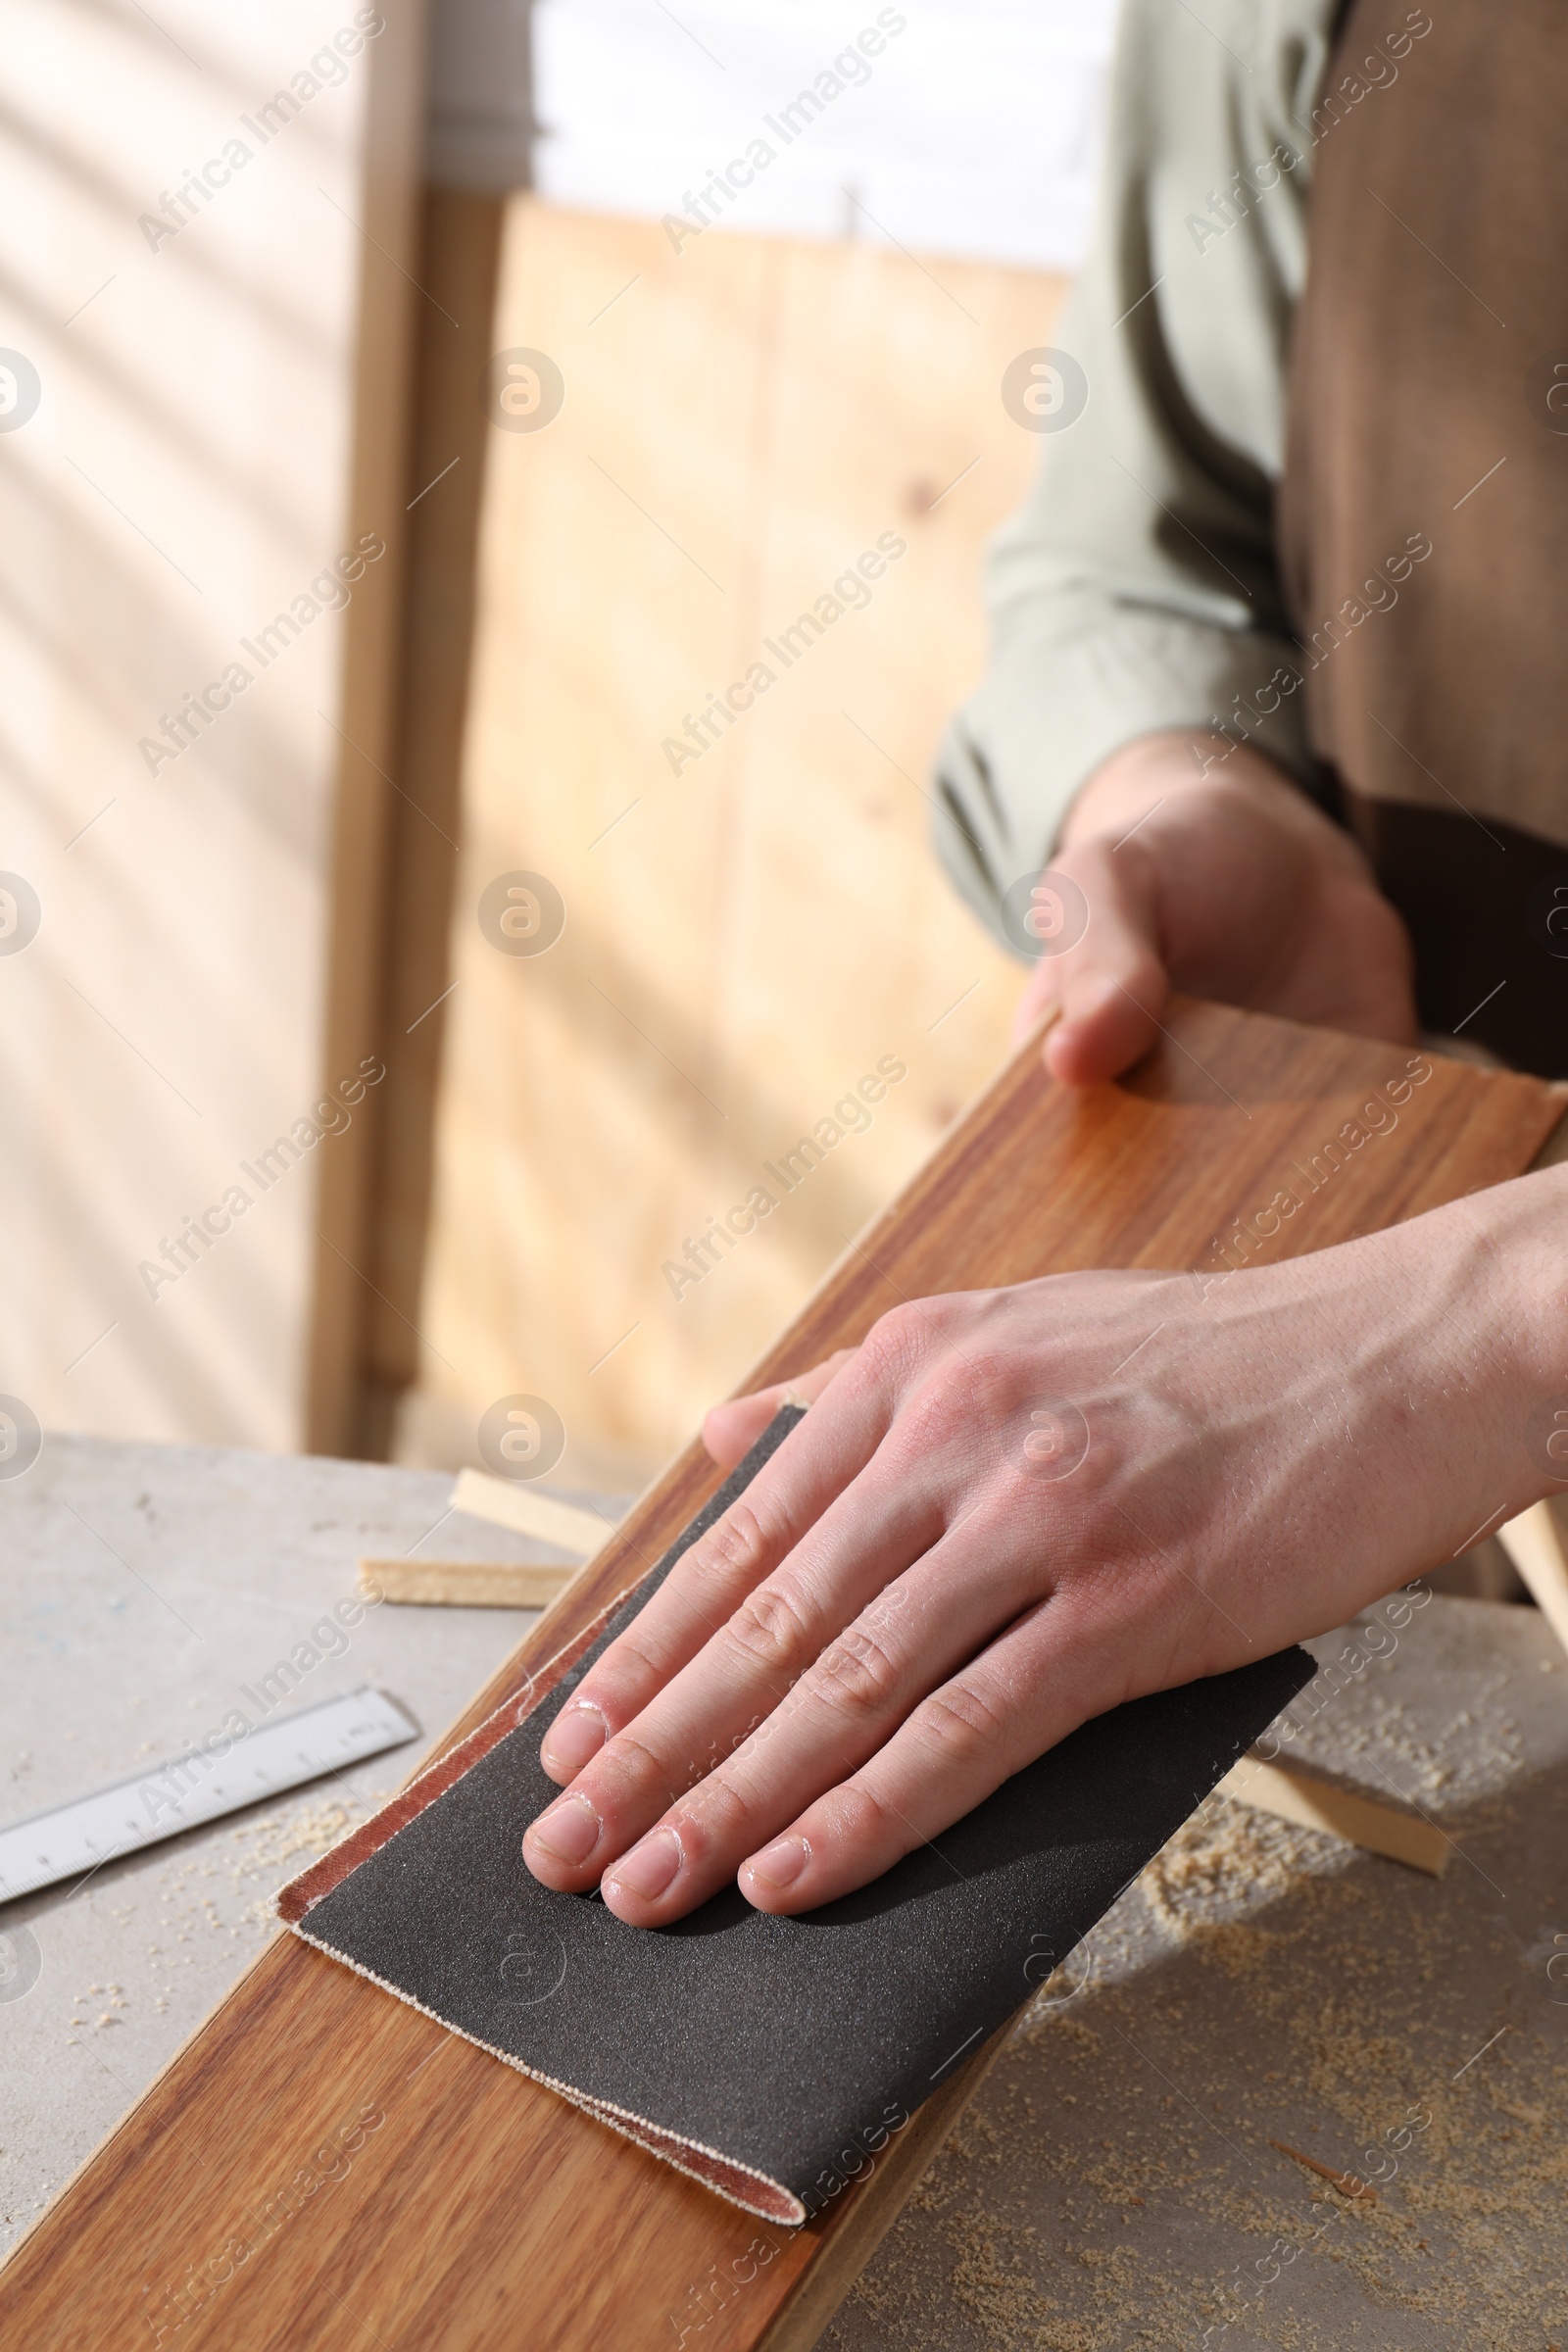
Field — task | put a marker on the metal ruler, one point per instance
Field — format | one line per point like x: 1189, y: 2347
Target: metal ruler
x: 197, y: 1785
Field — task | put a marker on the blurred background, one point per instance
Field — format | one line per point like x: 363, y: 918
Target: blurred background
x: 411, y: 422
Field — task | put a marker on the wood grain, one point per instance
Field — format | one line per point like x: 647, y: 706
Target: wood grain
x: 479, y: 2209
x: 772, y: 404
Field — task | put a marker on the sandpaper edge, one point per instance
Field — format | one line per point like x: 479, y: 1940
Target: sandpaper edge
x: 725, y: 2175
x: 293, y: 1900
x: 300, y: 1895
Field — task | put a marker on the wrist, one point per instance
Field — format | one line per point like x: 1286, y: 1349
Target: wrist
x: 1486, y: 1347
x: 1164, y: 768
x: 1518, y: 1241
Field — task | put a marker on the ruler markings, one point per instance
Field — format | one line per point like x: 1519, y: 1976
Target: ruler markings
x: 184, y: 1791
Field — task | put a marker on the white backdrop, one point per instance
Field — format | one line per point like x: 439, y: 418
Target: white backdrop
x: 975, y: 131
x: 183, y: 473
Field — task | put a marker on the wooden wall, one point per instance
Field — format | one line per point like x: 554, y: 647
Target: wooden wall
x: 221, y: 415
x: 748, y: 933
x: 458, y: 253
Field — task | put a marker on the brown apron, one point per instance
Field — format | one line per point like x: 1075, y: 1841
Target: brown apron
x: 1423, y: 515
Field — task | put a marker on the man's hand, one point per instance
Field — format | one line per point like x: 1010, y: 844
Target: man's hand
x: 1227, y: 883
x: 1009, y: 1511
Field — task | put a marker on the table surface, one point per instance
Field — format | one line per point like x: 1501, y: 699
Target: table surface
x: 1120, y: 2180
x: 1115, y: 2183
x: 143, y: 1584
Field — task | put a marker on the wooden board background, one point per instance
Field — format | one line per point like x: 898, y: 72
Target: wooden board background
x: 480, y: 2208
x: 742, y: 420
x: 459, y: 245
x: 221, y: 417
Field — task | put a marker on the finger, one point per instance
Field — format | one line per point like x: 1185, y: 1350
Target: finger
x: 1110, y: 991
x: 730, y: 1430
x: 850, y: 1702
x: 715, y: 1706
x: 1027, y: 1690
x: 817, y: 1461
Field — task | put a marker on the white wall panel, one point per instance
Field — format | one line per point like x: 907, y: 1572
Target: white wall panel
x: 974, y: 128
x: 189, y: 470
x: 973, y: 131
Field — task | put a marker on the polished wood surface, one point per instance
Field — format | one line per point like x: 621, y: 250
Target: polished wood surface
x: 323, y: 2165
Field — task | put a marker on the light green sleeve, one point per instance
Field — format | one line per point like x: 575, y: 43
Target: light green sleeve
x: 1136, y: 589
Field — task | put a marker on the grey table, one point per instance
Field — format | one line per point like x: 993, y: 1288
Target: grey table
x: 1116, y: 2183
x: 141, y: 1586
x: 1138, y: 2168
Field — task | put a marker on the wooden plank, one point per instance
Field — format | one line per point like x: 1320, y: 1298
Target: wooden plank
x: 1314, y: 1803
x: 456, y: 267
x: 363, y: 735
x: 511, y: 1502
x: 1534, y: 1542
x: 480, y: 2208
x: 219, y: 441
x: 773, y: 405
x: 463, y: 1583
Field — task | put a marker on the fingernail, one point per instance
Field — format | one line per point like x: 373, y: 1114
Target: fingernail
x: 781, y: 1863
x: 649, y: 1867
x: 570, y: 1830
x: 577, y: 1732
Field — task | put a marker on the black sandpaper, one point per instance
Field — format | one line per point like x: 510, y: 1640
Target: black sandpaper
x: 785, y: 2048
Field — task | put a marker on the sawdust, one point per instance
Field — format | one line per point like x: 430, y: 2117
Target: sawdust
x: 1381, y: 1739
x: 273, y: 1843
x: 77, y: 2024
x: 226, y: 1890
x: 1228, y: 1861
x: 1114, y: 2184
x: 308, y: 1828
x: 1472, y: 2210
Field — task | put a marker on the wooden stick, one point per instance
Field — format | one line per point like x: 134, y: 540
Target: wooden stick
x: 1318, y: 1804
x: 1535, y: 1547
x: 508, y: 1503
x: 465, y: 1583
x: 1347, y: 2184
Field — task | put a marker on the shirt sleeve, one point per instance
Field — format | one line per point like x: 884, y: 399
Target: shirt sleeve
x: 1136, y: 589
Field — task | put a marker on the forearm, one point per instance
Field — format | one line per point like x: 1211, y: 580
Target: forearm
x: 1448, y: 1337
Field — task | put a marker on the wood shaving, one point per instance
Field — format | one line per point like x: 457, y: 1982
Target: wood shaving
x: 1266, y: 2024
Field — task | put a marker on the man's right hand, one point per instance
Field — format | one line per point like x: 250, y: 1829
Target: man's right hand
x: 1227, y: 883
